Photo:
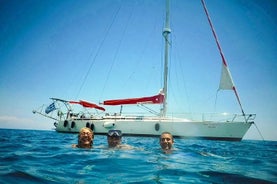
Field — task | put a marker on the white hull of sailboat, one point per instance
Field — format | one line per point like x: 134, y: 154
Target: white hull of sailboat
x: 233, y: 131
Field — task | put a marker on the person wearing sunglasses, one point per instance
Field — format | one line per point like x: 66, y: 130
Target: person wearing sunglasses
x: 85, y: 138
x: 166, y: 142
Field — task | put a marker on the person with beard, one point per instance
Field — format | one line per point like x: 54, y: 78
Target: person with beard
x: 114, y: 138
x: 85, y: 138
x: 166, y: 142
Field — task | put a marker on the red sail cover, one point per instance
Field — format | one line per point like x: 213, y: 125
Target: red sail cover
x: 88, y: 105
x: 157, y: 99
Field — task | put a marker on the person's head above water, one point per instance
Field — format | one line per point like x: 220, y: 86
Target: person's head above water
x: 114, y: 138
x: 85, y: 138
x: 166, y: 141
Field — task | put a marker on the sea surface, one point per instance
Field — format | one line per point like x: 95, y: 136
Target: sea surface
x: 33, y: 156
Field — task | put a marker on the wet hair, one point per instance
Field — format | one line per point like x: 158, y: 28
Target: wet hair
x: 86, y: 128
x: 166, y: 133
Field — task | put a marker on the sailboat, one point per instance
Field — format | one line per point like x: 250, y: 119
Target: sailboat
x: 232, y: 127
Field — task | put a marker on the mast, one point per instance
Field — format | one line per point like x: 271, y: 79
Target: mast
x: 166, y: 32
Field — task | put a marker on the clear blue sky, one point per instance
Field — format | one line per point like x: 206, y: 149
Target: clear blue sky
x: 47, y: 48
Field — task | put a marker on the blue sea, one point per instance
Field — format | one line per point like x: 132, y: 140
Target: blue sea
x: 33, y: 156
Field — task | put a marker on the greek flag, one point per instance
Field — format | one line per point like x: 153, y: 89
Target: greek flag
x: 50, y: 108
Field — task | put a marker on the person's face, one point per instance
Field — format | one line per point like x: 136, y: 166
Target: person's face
x: 166, y: 141
x: 114, y: 141
x: 85, y: 138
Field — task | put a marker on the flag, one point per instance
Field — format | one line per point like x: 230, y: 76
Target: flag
x: 50, y: 108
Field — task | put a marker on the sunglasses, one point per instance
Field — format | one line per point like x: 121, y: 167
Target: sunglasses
x: 114, y: 133
x: 84, y: 133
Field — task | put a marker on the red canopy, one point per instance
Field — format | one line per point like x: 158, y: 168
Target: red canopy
x: 157, y: 99
x: 88, y: 104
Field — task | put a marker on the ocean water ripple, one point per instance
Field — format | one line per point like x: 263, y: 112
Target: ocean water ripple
x: 31, y: 156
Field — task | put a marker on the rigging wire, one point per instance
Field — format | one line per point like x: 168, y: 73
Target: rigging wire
x: 116, y: 52
x: 259, y: 131
x: 180, y: 66
x: 141, y: 58
x: 215, y: 102
x: 148, y: 109
x: 97, y: 52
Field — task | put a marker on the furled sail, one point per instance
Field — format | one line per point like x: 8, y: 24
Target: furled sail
x: 226, y: 81
x: 88, y: 104
x: 157, y: 99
